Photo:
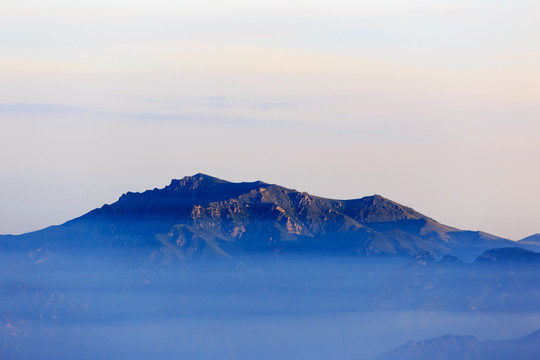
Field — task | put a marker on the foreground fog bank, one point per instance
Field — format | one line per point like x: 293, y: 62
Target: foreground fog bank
x: 258, y: 307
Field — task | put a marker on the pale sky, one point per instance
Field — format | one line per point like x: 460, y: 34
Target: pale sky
x: 433, y: 104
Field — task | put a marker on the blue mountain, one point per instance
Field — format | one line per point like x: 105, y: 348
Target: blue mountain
x: 201, y: 215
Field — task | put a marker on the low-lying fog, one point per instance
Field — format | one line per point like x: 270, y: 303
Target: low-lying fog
x: 257, y: 308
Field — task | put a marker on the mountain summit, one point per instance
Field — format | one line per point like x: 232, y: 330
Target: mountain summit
x: 203, y: 215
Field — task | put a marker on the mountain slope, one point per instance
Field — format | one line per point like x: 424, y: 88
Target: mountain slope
x: 531, y: 242
x: 201, y: 215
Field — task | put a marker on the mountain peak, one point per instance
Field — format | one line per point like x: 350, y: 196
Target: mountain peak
x: 202, y: 177
x: 376, y: 208
x: 193, y: 182
x: 532, y: 238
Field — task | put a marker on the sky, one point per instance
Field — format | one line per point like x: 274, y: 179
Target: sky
x: 434, y: 104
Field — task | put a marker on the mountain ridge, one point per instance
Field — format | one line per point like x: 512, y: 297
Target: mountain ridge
x: 501, y: 279
x: 204, y: 215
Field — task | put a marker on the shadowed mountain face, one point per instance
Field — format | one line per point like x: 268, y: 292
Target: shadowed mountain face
x: 450, y: 347
x: 201, y: 215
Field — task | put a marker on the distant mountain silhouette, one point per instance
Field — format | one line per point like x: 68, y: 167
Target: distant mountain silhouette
x: 503, y: 279
x: 201, y: 215
x: 453, y: 347
x: 531, y: 242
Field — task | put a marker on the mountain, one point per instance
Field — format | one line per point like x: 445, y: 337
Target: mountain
x: 503, y: 279
x: 533, y: 239
x: 453, y: 347
x: 201, y: 215
x: 510, y: 256
x: 531, y: 242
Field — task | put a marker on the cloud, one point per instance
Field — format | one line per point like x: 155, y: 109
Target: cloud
x: 180, y: 117
x: 225, y: 102
x: 37, y: 108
